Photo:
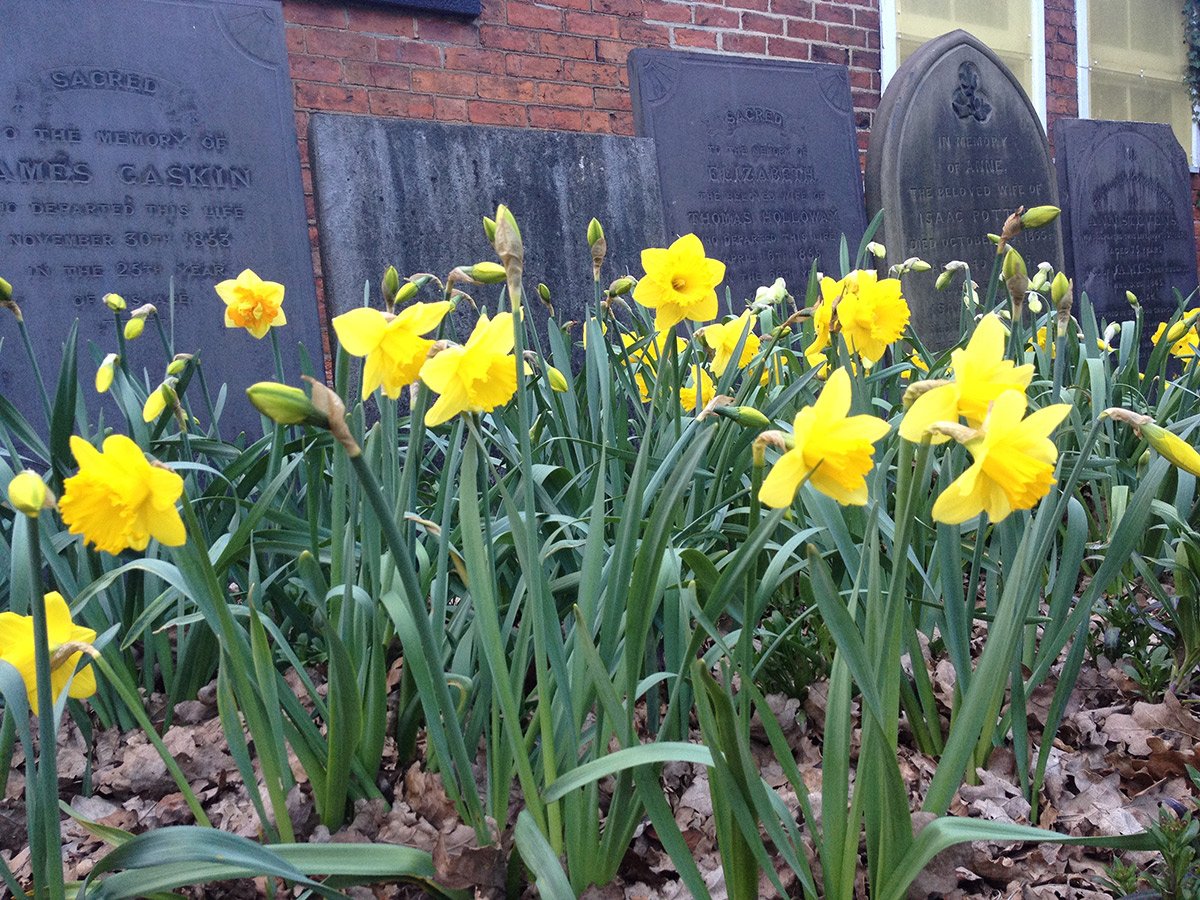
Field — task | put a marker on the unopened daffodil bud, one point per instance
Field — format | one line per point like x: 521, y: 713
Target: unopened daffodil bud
x: 1039, y: 216
x: 406, y: 292
x: 877, y: 249
x: 994, y: 238
x: 595, y: 232
x: 104, y: 374
x: 159, y: 400
x: 543, y: 292
x: 6, y: 291
x: 390, y: 284
x: 776, y: 292
x: 178, y: 364
x: 621, y: 286
x: 115, y: 302
x: 28, y: 494
x: 489, y: 229
x: 485, y: 273
x: 746, y: 416
x: 134, y: 329
x: 1131, y: 297
x: 285, y: 405
x: 943, y: 279
x: 557, y: 380
x: 509, y: 246
x: 1060, y: 287
x: 1014, y: 264
x: 1035, y: 304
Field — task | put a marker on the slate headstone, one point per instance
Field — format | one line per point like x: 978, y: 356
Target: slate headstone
x: 956, y: 147
x: 414, y: 193
x: 144, y: 140
x: 1127, y: 215
x: 759, y: 157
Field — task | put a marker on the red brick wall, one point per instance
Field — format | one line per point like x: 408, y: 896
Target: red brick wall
x: 1062, y: 78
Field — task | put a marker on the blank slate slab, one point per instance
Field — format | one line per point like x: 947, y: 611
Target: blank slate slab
x: 758, y: 157
x: 1127, y: 215
x: 956, y: 146
x: 142, y: 140
x: 414, y: 193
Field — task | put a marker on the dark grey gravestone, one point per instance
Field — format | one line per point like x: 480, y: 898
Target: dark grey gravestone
x: 413, y: 194
x: 956, y: 147
x: 759, y: 157
x: 142, y: 140
x: 1127, y: 215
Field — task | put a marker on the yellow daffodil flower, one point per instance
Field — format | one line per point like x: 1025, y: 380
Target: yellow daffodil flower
x: 119, y: 500
x: 104, y: 374
x: 687, y: 394
x: 16, y: 649
x: 832, y: 450
x: 868, y: 312
x: 645, y: 357
x: 1184, y: 339
x: 252, y: 303
x: 1014, y: 462
x: 476, y: 377
x: 981, y: 374
x: 723, y: 340
x: 392, y: 344
x: 680, y: 283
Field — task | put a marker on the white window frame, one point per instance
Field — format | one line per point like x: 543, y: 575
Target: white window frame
x: 1083, y: 68
x: 890, y: 57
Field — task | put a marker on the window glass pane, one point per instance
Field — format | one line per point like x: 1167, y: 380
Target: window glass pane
x: 1137, y: 56
x: 1005, y: 27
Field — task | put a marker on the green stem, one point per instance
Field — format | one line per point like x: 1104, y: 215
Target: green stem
x: 37, y: 371
x: 120, y: 342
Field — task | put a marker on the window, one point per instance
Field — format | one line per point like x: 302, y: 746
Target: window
x: 1014, y: 30
x: 1132, y: 64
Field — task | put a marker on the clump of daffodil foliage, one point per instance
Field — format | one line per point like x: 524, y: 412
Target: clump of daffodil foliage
x: 541, y: 561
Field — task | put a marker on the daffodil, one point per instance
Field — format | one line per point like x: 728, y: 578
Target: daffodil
x: 680, y: 282
x: 158, y: 400
x: 723, y: 339
x: 869, y: 313
x: 105, y: 373
x: 16, y: 649
x: 119, y: 500
x: 915, y: 364
x: 1177, y: 451
x: 687, y: 394
x: 833, y: 450
x: 252, y: 303
x: 393, y: 344
x: 1183, y: 337
x: 643, y: 355
x: 1013, y: 464
x: 28, y: 493
x: 981, y: 374
x: 476, y: 377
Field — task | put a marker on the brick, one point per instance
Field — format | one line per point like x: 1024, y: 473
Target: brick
x: 446, y: 31
x: 484, y: 112
x: 807, y: 31
x: 691, y: 37
x: 492, y: 12
x: 715, y: 17
x: 394, y: 22
x: 801, y: 9
x: 867, y: 18
x: 331, y: 97
x: 564, y: 94
x: 777, y: 46
x: 760, y: 5
x: 567, y: 46
x: 863, y: 79
x: 450, y: 109
x: 307, y: 12
x: 535, y: 66
x: 471, y: 59
x: 412, y: 52
x: 664, y: 11
x: 513, y: 89
x: 529, y: 15
x: 607, y: 98
x: 452, y: 84
x: 847, y: 36
x: 591, y: 23
x: 645, y: 33
x: 619, y: 7
x: 833, y: 12
x: 555, y: 117
x: 314, y: 68
x: 594, y: 73
x: 762, y: 24
x: 505, y: 38
x: 736, y: 42
x: 394, y: 77
x: 607, y: 122
x: 400, y: 103
x: 340, y: 44
x: 612, y: 51
x: 293, y: 37
x: 861, y: 59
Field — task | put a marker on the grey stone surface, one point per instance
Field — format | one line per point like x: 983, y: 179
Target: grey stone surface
x: 142, y: 140
x: 413, y: 194
x: 1127, y: 215
x: 956, y: 146
x: 759, y: 157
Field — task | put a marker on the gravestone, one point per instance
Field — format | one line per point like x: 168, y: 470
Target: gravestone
x: 140, y: 141
x: 758, y: 157
x: 1127, y: 215
x: 956, y: 147
x: 413, y: 194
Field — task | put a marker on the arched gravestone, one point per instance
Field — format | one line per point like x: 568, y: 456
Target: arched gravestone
x: 1127, y: 215
x: 144, y: 140
x: 759, y: 157
x: 955, y: 148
